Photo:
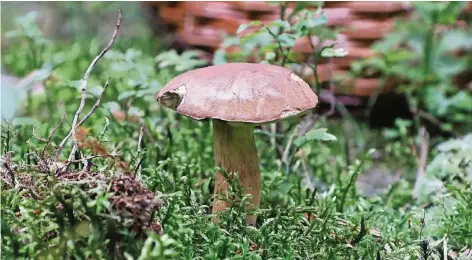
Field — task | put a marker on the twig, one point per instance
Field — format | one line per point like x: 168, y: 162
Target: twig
x: 306, y: 175
x: 92, y: 110
x: 307, y: 123
x: 76, y: 144
x: 281, y: 49
x: 149, y: 134
x: 288, y: 146
x: 423, y: 150
x: 423, y: 157
x: 7, y: 165
x: 34, y: 154
x: 37, y: 137
x: 86, y: 181
x: 6, y: 181
x: 435, y: 121
x: 97, y: 103
x: 84, y: 88
x: 93, y: 157
x: 138, y: 167
x: 332, y: 100
x: 51, y: 135
x: 316, y: 60
x: 273, y: 131
x: 86, y: 164
x: 140, y: 138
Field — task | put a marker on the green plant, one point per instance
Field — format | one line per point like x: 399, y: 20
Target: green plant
x: 446, y: 184
x: 423, y: 53
x: 273, y: 43
x: 30, y: 38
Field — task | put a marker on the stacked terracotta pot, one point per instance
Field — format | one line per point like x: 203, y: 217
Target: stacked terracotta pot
x: 362, y: 24
x: 204, y: 24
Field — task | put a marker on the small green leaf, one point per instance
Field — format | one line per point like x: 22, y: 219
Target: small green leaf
x: 317, y: 21
x: 330, y: 52
x: 287, y: 40
x: 112, y: 106
x: 285, y: 25
x: 126, y: 94
x: 219, y: 57
x: 269, y: 55
x: 243, y: 26
x: 120, y: 67
x: 316, y: 134
x: 135, y: 111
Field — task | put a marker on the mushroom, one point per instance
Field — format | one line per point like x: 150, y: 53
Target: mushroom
x: 237, y: 97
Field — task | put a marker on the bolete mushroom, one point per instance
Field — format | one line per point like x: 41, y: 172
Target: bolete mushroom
x: 237, y: 97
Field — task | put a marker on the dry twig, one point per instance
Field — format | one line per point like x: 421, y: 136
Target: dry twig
x: 431, y: 118
x: 93, y: 157
x: 332, y: 98
x: 7, y: 165
x: 75, y: 123
x: 140, y: 138
x: 51, y: 135
x: 37, y: 137
x: 288, y: 146
x: 92, y: 110
x: 423, y: 157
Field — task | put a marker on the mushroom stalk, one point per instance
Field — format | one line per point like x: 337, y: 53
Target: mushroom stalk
x: 235, y: 151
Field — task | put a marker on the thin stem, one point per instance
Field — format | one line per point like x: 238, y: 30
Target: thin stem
x: 281, y: 49
x: 95, y: 106
x: 428, y: 49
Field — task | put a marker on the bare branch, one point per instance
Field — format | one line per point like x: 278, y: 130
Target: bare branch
x: 288, y: 146
x: 51, y: 135
x: 95, y: 106
x: 37, y: 137
x: 138, y: 167
x: 140, y: 138
x: 76, y: 144
x: 7, y: 181
x: 76, y: 124
x: 149, y: 135
x: 306, y: 175
x: 92, y: 110
x: 332, y: 99
x: 34, y: 154
x: 7, y: 165
x: 435, y: 121
x: 84, y: 89
x: 424, y: 135
x: 93, y: 157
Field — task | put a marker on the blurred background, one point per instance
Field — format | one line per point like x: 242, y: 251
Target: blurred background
x: 383, y: 41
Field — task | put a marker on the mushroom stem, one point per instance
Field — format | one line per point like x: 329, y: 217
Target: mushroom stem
x: 235, y: 151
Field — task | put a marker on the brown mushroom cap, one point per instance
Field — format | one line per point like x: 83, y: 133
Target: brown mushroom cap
x: 239, y: 92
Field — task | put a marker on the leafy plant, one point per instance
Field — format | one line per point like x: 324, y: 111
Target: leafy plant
x: 272, y: 43
x: 423, y: 53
